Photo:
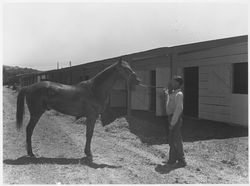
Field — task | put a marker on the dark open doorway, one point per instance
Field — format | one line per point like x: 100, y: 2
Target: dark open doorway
x: 191, y: 91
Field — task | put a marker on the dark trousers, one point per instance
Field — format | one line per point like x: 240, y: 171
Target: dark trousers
x: 175, y: 142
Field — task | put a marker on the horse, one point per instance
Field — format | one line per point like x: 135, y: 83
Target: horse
x: 86, y: 99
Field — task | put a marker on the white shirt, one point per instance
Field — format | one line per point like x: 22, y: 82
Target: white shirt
x: 174, y: 105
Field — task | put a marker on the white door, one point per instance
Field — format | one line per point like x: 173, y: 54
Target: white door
x: 162, y: 79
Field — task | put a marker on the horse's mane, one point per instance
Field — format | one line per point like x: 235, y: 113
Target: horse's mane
x: 107, y: 72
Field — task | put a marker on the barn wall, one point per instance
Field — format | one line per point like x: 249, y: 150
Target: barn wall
x: 162, y: 80
x: 216, y: 101
x: 140, y: 96
x: 229, y: 50
x: 150, y: 63
x: 143, y: 65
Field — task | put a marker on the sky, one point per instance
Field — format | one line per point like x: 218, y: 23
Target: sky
x: 38, y: 35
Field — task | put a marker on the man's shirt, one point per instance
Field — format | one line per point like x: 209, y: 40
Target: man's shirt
x: 174, y: 105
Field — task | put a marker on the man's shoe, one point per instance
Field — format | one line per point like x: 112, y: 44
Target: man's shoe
x: 182, y: 163
x: 171, y: 162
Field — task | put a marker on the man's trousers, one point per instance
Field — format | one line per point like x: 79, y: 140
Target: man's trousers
x: 175, y: 142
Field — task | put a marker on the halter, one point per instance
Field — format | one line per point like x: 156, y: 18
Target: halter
x: 133, y: 73
x: 147, y: 86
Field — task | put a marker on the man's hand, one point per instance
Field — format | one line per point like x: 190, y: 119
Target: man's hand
x: 165, y: 91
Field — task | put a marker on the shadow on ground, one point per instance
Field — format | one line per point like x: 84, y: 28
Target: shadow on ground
x: 152, y: 129
x: 25, y: 160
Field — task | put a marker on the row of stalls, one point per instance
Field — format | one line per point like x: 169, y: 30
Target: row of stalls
x: 215, y: 79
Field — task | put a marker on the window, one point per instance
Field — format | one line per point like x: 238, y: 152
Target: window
x: 240, y: 78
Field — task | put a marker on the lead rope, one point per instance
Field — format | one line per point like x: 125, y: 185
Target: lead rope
x: 147, y: 86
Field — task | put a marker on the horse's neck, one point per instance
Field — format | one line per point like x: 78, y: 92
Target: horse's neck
x: 103, y: 83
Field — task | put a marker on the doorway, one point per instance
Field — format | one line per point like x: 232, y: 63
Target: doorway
x: 191, y: 92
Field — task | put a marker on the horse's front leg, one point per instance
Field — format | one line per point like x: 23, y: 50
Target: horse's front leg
x: 89, y: 133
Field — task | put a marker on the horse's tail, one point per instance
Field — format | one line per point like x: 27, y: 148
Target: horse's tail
x: 20, y: 108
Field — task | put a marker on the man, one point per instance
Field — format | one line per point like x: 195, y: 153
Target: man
x: 174, y: 107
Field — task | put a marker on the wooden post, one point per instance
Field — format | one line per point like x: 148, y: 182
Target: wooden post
x: 128, y: 98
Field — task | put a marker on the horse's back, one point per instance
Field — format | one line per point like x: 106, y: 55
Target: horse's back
x: 44, y: 90
x: 39, y: 85
x: 75, y: 100
x: 45, y: 85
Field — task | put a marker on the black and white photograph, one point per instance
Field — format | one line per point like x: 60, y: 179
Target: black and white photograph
x: 125, y: 92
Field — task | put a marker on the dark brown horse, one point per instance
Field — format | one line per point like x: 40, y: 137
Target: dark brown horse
x: 86, y: 99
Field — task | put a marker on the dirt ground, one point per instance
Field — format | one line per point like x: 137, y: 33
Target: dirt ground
x: 130, y: 150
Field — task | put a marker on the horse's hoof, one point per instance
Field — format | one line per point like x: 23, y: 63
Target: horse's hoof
x: 89, y: 158
x: 31, y: 155
x: 88, y: 153
x: 86, y: 160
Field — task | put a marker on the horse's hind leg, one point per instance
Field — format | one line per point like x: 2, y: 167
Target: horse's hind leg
x: 29, y: 131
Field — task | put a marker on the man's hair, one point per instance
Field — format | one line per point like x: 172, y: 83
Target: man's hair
x: 179, y: 80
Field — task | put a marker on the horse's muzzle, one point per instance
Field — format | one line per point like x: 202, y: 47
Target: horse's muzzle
x: 138, y: 81
x: 135, y: 81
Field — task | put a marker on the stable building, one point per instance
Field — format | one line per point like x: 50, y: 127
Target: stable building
x: 215, y: 77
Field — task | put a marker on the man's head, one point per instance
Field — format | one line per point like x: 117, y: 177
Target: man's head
x: 175, y: 83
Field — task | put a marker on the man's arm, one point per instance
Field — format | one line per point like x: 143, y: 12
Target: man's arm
x: 166, y: 98
x: 178, y: 109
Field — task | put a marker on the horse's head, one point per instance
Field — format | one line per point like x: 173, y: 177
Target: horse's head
x: 127, y: 73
